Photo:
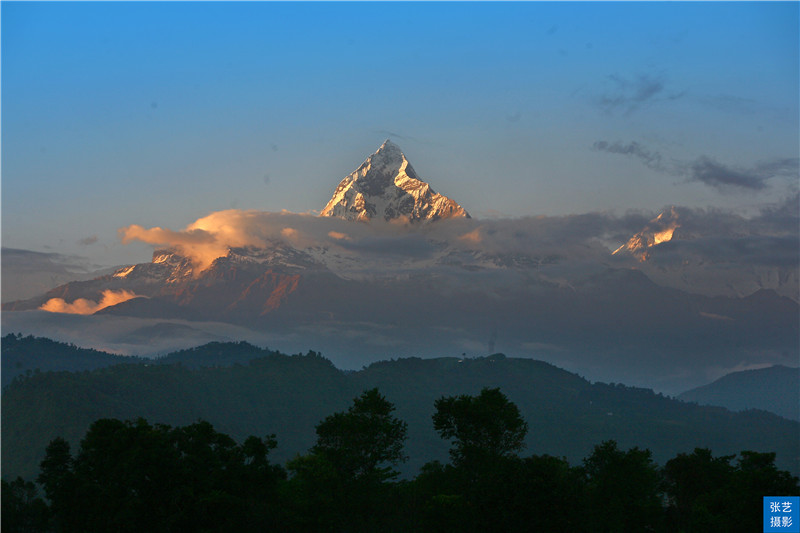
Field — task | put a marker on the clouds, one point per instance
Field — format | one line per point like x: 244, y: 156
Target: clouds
x: 27, y: 273
x: 714, y: 251
x: 627, y: 95
x: 51, y: 262
x: 527, y: 273
x: 82, y: 306
x: 718, y: 252
x: 473, y: 236
x: 210, y: 237
x: 584, y: 237
x: 651, y: 159
x: 769, y: 251
x: 724, y: 178
x: 705, y: 169
x: 390, y: 244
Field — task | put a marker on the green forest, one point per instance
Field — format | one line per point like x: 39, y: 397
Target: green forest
x: 245, y: 390
x: 233, y: 437
x: 134, y: 476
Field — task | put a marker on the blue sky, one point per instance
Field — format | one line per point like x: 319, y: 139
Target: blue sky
x: 159, y: 113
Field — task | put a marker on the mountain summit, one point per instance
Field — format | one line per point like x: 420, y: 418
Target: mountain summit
x: 386, y: 186
x: 658, y: 230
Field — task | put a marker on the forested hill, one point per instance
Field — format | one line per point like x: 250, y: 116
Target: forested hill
x: 289, y: 395
x: 22, y: 355
x: 27, y: 354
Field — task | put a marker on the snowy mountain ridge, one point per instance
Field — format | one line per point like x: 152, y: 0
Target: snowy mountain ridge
x: 386, y: 186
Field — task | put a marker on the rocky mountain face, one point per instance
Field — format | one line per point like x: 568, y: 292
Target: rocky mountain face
x: 386, y: 186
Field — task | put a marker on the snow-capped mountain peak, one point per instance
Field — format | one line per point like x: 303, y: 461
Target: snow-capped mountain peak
x: 660, y: 229
x: 386, y: 186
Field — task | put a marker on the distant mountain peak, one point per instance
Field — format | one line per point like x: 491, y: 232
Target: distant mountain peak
x: 389, y: 149
x: 386, y: 186
x: 660, y: 229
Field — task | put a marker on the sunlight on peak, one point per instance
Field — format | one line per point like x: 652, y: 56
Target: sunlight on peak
x: 664, y: 236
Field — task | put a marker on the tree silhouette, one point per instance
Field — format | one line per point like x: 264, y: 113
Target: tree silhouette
x: 366, y: 441
x: 22, y: 509
x: 623, y: 489
x: 341, y: 484
x: 482, y: 428
x: 132, y: 476
x: 696, y: 487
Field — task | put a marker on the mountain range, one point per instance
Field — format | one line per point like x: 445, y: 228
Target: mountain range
x: 392, y: 268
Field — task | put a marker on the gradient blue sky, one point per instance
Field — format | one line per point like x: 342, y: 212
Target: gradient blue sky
x: 159, y: 113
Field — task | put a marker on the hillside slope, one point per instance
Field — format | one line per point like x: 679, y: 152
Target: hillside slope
x: 289, y: 395
x: 775, y: 389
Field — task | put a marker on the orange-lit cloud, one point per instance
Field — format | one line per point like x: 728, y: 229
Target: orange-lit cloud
x: 82, y: 306
x: 298, y: 238
x: 212, y: 236
x: 338, y: 235
x: 473, y: 236
x: 207, y: 238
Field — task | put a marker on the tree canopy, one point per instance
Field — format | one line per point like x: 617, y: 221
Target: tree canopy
x: 481, y: 427
x: 365, y: 441
x: 133, y: 476
x: 136, y: 476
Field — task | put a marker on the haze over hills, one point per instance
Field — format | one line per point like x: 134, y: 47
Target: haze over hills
x: 395, y: 269
x: 775, y: 389
x: 27, y: 273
